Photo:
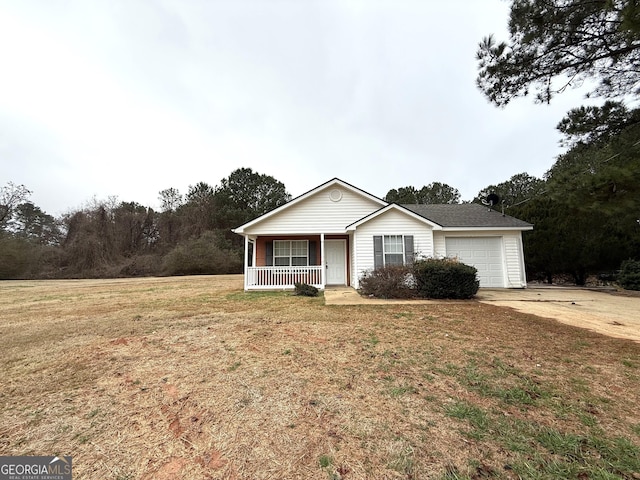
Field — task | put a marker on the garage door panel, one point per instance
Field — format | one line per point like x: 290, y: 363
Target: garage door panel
x: 485, y: 254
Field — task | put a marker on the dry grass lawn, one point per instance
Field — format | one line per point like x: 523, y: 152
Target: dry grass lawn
x: 191, y: 378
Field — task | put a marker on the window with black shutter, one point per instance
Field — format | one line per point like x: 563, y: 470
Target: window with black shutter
x: 392, y: 250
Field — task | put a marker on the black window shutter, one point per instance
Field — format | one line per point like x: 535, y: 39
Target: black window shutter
x: 408, y: 249
x: 269, y: 253
x: 378, y: 260
x: 312, y: 253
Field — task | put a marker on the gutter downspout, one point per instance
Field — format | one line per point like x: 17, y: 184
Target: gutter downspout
x: 322, y: 262
x: 246, y: 262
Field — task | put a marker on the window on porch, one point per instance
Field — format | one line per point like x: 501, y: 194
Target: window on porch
x: 290, y: 253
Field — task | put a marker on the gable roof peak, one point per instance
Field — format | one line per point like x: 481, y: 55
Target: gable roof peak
x: 300, y: 198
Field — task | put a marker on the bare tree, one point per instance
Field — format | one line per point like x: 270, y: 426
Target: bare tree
x: 11, y: 195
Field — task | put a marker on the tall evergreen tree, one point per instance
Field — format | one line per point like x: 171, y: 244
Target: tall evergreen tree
x: 521, y: 187
x: 199, y: 210
x: 403, y: 195
x: 433, y: 193
x: 558, y: 44
x: 245, y: 195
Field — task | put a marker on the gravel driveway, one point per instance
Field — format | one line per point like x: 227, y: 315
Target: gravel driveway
x: 606, y: 312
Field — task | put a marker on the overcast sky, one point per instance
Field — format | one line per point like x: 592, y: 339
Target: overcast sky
x: 129, y: 97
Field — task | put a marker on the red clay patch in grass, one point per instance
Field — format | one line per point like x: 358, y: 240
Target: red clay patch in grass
x: 212, y: 459
x: 169, y: 471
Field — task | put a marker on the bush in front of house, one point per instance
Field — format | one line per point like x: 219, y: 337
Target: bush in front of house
x: 305, y: 290
x: 445, y: 278
x: 391, y: 281
x: 629, y: 276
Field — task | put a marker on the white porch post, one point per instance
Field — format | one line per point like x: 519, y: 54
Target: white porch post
x: 355, y: 281
x: 254, y: 255
x: 246, y: 261
x: 323, y: 261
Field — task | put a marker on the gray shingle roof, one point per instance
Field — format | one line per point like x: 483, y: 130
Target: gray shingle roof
x: 466, y: 215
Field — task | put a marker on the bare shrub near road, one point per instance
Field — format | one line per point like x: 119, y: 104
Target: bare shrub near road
x: 192, y: 378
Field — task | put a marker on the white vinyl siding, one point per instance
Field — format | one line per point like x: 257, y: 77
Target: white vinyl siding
x: 318, y: 213
x: 514, y: 260
x: 439, y: 248
x: 391, y: 222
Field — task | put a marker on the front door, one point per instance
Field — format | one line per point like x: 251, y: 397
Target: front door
x: 335, y: 253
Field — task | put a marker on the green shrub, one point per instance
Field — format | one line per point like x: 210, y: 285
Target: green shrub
x: 629, y: 276
x: 392, y: 281
x: 445, y: 278
x: 305, y: 290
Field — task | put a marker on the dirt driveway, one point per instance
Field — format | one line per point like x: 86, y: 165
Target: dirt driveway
x: 604, y: 312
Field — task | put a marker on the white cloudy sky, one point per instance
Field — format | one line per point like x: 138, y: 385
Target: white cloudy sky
x: 129, y: 97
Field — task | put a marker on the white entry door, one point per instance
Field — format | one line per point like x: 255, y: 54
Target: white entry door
x: 335, y: 253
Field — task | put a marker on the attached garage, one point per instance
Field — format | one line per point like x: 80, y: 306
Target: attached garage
x: 478, y: 236
x: 484, y: 253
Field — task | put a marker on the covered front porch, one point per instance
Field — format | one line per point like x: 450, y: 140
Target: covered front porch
x: 279, y: 262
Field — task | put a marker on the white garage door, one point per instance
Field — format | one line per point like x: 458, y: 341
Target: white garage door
x: 483, y: 253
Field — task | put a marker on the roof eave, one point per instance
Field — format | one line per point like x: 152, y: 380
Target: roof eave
x: 492, y: 229
x: 395, y: 206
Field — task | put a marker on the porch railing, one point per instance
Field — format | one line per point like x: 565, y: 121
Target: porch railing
x: 283, y: 277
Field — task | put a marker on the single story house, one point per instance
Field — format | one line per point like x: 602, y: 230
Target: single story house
x: 334, y: 233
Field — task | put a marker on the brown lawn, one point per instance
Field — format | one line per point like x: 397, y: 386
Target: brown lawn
x: 191, y: 378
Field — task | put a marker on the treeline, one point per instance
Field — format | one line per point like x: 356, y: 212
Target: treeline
x: 190, y: 234
x: 585, y: 211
